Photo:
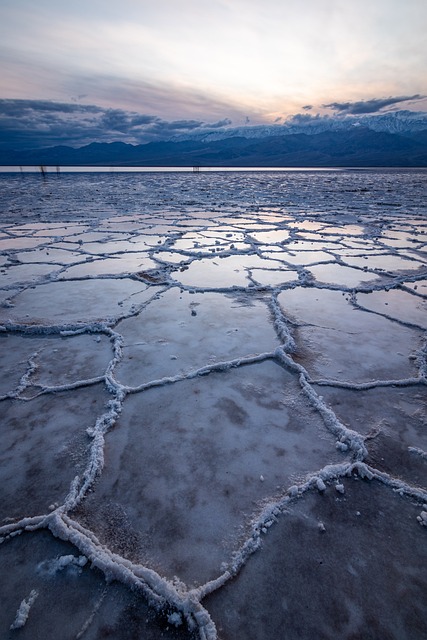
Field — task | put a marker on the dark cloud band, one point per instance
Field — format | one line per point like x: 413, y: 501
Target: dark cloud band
x: 369, y: 106
x: 40, y: 123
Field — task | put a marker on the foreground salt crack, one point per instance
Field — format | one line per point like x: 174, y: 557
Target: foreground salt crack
x: 159, y: 360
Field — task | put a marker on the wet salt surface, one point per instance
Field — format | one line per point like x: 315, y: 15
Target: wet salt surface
x: 213, y: 394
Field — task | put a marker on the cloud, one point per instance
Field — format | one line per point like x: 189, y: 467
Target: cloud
x: 42, y: 123
x: 21, y: 108
x: 305, y: 119
x: 369, y: 106
x: 218, y: 125
x: 169, y: 100
x: 307, y: 107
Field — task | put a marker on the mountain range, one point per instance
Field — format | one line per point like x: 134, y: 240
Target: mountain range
x: 396, y: 139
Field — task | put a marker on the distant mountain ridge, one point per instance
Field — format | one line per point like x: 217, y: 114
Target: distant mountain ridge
x: 358, y: 146
x: 400, y: 122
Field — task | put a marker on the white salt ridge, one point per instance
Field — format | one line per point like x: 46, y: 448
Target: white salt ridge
x: 360, y: 386
x: 24, y: 610
x: 347, y: 438
x: 418, y: 452
x: 203, y: 371
x: 25, y: 380
x: 253, y: 226
x: 282, y: 329
x: 159, y: 591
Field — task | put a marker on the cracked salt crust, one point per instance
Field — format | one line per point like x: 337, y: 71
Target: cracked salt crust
x: 178, y: 404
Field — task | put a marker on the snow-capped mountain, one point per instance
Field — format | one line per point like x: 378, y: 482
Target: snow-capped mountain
x: 400, y: 122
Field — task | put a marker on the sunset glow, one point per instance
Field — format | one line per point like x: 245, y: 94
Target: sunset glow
x: 244, y: 61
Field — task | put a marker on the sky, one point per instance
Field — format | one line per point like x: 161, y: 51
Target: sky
x: 165, y: 66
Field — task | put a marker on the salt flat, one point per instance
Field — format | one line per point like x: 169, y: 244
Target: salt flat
x: 213, y: 405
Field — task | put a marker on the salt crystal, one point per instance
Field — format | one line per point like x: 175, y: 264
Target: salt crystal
x: 320, y: 484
